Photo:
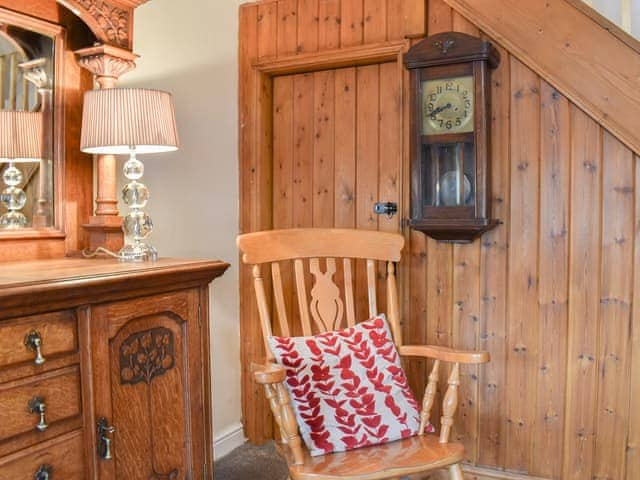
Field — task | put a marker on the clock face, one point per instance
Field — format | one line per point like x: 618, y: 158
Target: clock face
x: 447, y: 105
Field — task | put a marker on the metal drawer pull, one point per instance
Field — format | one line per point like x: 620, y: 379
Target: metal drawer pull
x: 37, y: 405
x: 33, y: 342
x: 104, y: 442
x: 45, y: 472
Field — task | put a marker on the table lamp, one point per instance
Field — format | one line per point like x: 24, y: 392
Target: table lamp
x: 20, y: 142
x: 120, y: 121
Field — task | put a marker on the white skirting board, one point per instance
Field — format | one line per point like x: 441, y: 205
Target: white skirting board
x: 227, y: 440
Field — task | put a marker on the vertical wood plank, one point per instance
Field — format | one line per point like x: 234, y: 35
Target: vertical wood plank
x: 494, y: 261
x: 466, y: 318
x: 323, y: 161
x: 440, y: 17
x: 283, y: 177
x: 390, y: 166
x: 367, y: 166
x: 633, y: 442
x: 351, y: 24
x: 439, y: 255
x: 615, y: 309
x: 555, y: 135
x: 267, y: 29
x: 303, y: 95
x: 329, y: 24
x: 308, y: 26
x: 584, y: 301
x: 287, y: 27
x: 522, y: 333
x: 375, y: 21
x: 345, y: 148
x: 256, y: 412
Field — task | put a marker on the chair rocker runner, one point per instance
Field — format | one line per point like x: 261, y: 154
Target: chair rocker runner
x: 325, y: 311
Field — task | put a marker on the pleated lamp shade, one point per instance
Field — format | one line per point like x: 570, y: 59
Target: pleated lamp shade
x: 117, y: 120
x: 20, y: 136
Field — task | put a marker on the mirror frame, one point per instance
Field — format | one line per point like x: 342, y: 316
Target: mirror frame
x: 57, y: 32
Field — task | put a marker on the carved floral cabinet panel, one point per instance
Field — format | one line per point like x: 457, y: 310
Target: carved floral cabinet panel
x: 146, y: 354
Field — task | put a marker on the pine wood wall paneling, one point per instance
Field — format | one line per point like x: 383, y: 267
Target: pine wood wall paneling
x: 584, y: 296
x: 329, y: 24
x: 494, y: 261
x: 257, y: 425
x: 466, y: 318
x: 555, y: 144
x: 345, y: 148
x: 390, y: 158
x: 267, y: 29
x: 540, y: 431
x: 367, y: 168
x: 283, y: 177
x: 523, y: 327
x: 414, y: 262
x: 287, y: 36
x: 375, y: 21
x: 351, y: 24
x: 324, y: 154
x: 633, y: 442
x: 308, y: 26
x: 439, y: 270
x: 615, y: 309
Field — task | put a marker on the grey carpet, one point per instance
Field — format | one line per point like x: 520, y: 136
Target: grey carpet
x: 251, y: 462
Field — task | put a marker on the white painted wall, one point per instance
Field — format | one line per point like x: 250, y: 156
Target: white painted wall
x: 190, y: 48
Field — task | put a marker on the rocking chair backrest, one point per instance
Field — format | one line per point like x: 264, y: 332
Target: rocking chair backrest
x: 322, y: 253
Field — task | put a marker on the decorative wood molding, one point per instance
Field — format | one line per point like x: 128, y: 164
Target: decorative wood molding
x: 107, y: 63
x: 580, y: 57
x: 329, y: 59
x: 111, y: 21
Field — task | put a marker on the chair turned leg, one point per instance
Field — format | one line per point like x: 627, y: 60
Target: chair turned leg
x: 455, y: 472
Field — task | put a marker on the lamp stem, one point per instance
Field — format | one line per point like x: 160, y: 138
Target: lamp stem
x: 14, y: 199
x: 137, y: 225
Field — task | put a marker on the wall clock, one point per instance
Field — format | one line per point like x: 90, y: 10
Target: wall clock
x: 450, y: 138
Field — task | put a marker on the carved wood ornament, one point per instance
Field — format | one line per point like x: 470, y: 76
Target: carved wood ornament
x: 145, y: 355
x: 111, y: 21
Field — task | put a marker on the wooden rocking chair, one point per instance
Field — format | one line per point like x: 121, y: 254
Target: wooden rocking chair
x: 414, y: 455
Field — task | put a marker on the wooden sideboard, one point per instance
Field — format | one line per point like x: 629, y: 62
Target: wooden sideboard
x: 88, y: 340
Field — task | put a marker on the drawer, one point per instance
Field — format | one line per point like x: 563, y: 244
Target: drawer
x: 59, y: 394
x: 57, y: 332
x: 63, y: 457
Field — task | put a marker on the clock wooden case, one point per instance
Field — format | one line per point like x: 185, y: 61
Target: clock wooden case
x: 450, y: 137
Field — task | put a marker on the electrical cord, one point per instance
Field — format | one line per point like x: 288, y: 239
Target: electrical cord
x: 86, y: 253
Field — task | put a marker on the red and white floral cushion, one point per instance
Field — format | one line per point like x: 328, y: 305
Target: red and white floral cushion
x: 347, y: 387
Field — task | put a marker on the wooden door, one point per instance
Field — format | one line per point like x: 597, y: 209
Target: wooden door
x: 337, y: 150
x: 147, y: 371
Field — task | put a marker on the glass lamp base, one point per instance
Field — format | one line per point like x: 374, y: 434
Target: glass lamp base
x: 138, y: 252
x: 13, y: 219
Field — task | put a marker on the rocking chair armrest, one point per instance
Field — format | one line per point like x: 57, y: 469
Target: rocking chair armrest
x: 268, y: 374
x: 444, y: 354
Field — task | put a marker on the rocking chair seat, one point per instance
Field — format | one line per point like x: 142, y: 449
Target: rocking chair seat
x: 416, y: 454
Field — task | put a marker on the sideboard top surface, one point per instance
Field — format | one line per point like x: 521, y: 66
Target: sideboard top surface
x: 70, y: 282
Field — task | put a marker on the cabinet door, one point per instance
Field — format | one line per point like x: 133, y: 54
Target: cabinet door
x: 148, y: 384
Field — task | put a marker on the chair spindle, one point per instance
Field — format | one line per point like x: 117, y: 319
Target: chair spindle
x: 348, y: 292
x: 450, y: 404
x: 429, y: 397
x: 289, y: 424
x: 371, y: 287
x: 303, y: 303
x: 278, y: 293
x: 263, y: 310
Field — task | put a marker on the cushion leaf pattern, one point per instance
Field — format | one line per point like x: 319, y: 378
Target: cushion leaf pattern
x: 347, y: 387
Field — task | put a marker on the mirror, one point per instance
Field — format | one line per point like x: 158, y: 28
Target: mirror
x: 27, y: 82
